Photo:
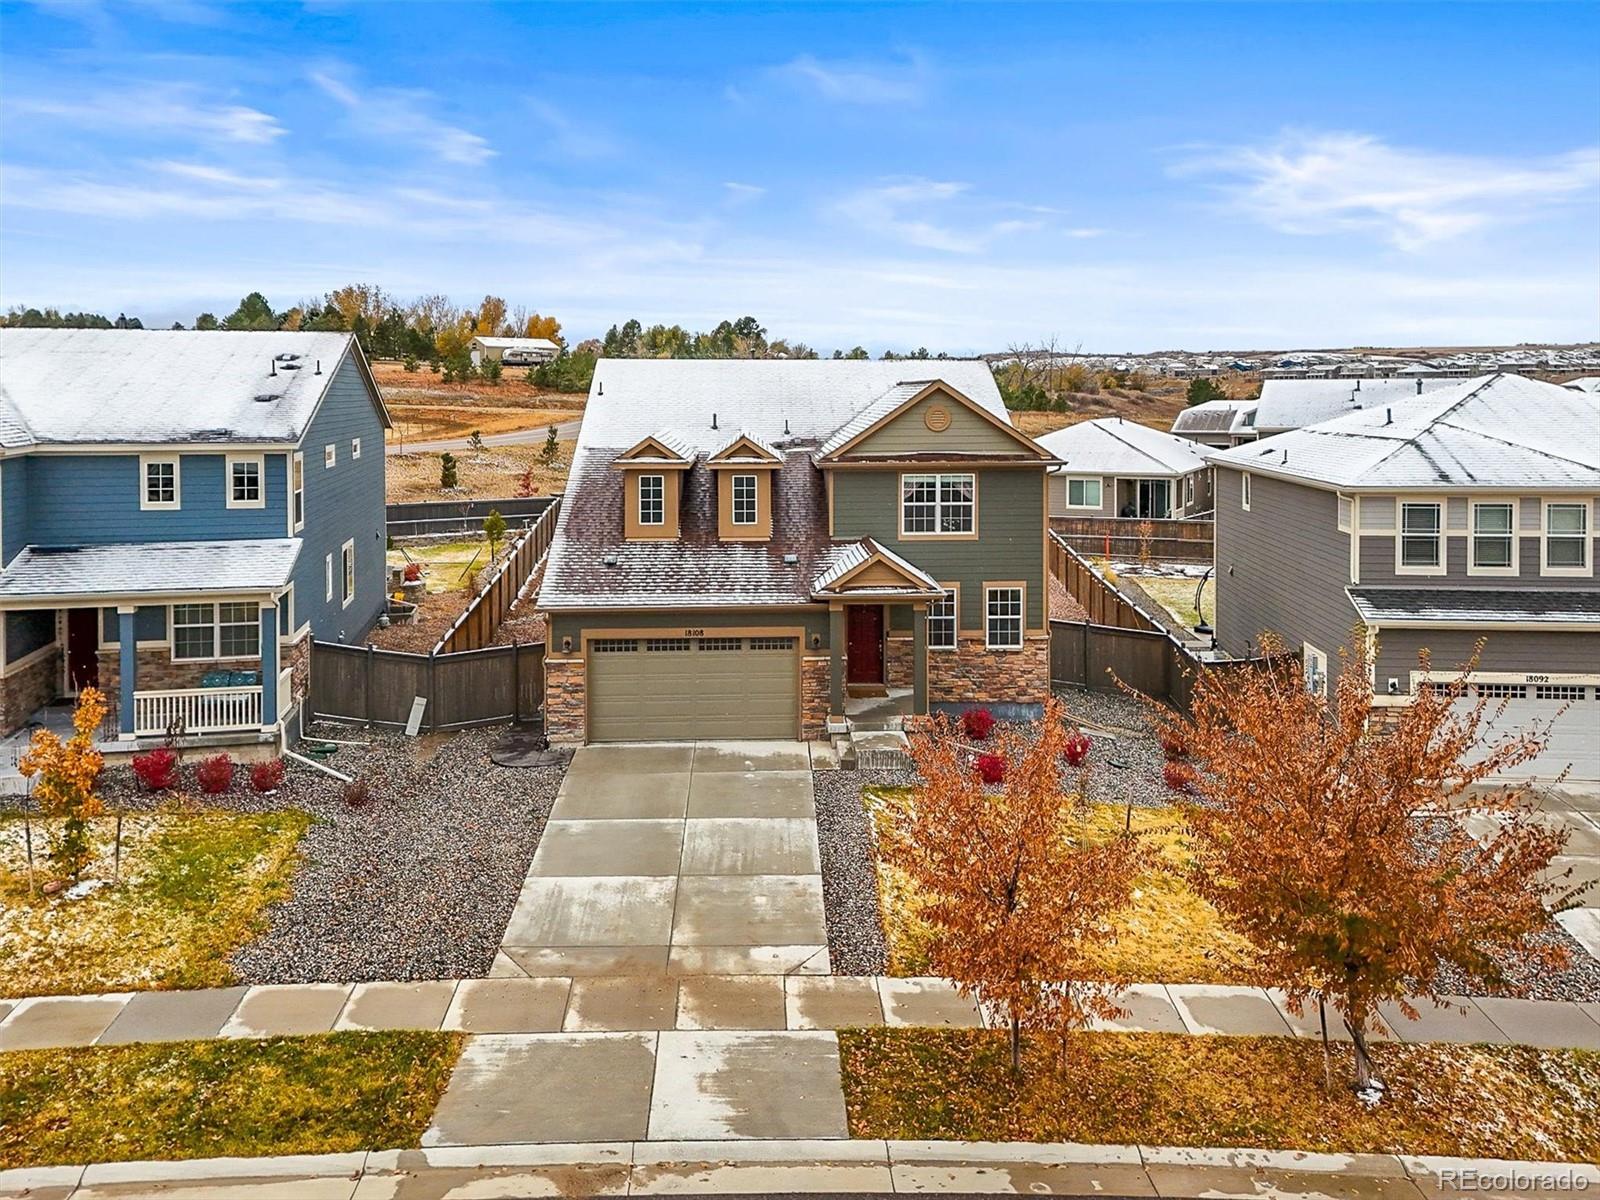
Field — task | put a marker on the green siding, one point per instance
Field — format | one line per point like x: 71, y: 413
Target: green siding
x: 815, y: 621
x: 1009, y: 545
x: 968, y: 433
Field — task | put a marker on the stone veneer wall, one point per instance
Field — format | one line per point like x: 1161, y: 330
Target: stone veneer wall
x: 156, y: 672
x: 297, y: 657
x: 28, y: 689
x: 565, y: 700
x: 975, y: 675
x: 900, y: 660
x: 814, y: 674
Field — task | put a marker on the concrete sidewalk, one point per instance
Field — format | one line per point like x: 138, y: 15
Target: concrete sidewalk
x: 860, y: 1167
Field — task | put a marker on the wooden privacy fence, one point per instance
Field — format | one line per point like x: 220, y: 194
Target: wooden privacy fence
x: 1104, y: 604
x: 476, y: 627
x: 417, y: 517
x: 473, y: 687
x: 1188, y: 540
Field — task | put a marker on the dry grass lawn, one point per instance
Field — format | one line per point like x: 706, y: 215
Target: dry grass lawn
x: 1177, y: 597
x: 494, y: 472
x: 1514, y: 1102
x: 194, y: 887
x: 175, y: 1100
x: 427, y: 422
x: 1169, y: 935
x: 423, y: 386
x: 447, y: 566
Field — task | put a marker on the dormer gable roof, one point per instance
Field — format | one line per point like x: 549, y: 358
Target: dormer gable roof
x: 870, y: 568
x: 745, y: 449
x: 904, y: 395
x: 660, y: 449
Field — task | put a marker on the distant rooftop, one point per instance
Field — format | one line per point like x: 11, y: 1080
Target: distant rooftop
x: 1112, y: 446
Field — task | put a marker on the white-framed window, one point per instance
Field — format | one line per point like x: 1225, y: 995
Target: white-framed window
x: 206, y: 631
x: 938, y: 504
x: 942, y: 622
x: 1566, y: 537
x: 330, y: 455
x: 355, y: 448
x: 327, y: 576
x: 1003, y: 617
x: 1493, y: 548
x: 1421, y: 550
x: 652, y: 499
x: 160, y: 482
x: 246, y: 482
x: 347, y: 572
x: 1083, y: 493
x: 297, y: 490
x: 1188, y: 491
x: 1314, y: 668
x: 1244, y: 490
x: 744, y: 499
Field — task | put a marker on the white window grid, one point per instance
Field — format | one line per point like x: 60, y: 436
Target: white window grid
x: 942, y: 623
x: 652, y: 500
x: 938, y: 504
x: 744, y: 499
x: 1003, y: 627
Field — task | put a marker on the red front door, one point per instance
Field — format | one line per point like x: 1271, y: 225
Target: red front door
x: 83, y: 649
x: 864, y: 654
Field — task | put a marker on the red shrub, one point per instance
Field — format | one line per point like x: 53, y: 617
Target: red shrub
x: 267, y: 776
x: 357, y: 793
x: 413, y: 572
x: 157, y: 770
x: 977, y: 724
x: 215, y: 774
x: 1077, y: 748
x: 1173, y: 745
x: 991, y: 768
x: 1177, y: 776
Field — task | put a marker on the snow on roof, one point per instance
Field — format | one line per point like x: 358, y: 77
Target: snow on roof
x: 150, y: 568
x: 680, y: 446
x: 1112, y: 446
x: 517, y: 343
x: 1295, y: 403
x: 1497, y: 431
x: 745, y: 436
x: 780, y: 401
x: 1589, y: 383
x: 869, y: 416
x: 1216, y: 416
x: 14, y: 432
x: 111, y: 386
x: 851, y: 555
x: 1487, y: 606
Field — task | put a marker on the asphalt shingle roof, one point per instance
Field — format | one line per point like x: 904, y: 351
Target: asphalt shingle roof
x: 150, y: 568
x: 1488, y: 606
x: 1296, y: 403
x: 1111, y: 446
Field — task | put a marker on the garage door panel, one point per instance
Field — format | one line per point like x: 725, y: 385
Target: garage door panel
x: 1568, y: 714
x: 669, y: 689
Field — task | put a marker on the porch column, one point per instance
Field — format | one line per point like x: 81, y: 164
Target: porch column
x: 127, y: 672
x: 836, y: 660
x: 269, y: 664
x: 919, y: 659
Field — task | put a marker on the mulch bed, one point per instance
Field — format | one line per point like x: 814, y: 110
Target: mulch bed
x: 416, y: 884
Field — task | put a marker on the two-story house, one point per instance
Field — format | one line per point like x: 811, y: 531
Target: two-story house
x: 1117, y: 468
x: 179, y: 513
x: 751, y: 548
x: 1470, y: 512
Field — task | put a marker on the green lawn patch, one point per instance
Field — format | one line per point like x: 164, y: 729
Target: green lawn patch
x: 1168, y: 935
x: 301, y: 1095
x: 1168, y: 1089
x: 193, y: 887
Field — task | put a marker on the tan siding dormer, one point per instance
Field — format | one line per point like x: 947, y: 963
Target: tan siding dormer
x: 734, y: 523
x: 639, y: 491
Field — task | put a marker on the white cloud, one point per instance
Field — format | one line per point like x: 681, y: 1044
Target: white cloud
x: 1316, y: 183
x: 924, y: 213
x: 859, y: 83
x: 742, y: 193
x: 159, y: 108
x: 401, y: 115
x: 571, y: 138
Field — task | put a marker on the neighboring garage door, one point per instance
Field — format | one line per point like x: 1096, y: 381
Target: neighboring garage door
x: 1570, y: 711
x: 644, y: 689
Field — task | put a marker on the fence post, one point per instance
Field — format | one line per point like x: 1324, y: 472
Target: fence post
x: 366, y: 690
x: 433, y: 707
x: 516, y: 681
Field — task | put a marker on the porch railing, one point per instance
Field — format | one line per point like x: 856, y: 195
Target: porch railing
x: 202, y: 710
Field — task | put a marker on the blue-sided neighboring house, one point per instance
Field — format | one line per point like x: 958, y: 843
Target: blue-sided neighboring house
x: 180, y: 514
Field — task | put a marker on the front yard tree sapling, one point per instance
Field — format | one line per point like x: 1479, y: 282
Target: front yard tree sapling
x: 64, y: 775
x: 1018, y: 895
x: 494, y: 529
x: 1340, y: 852
x: 547, y: 456
x: 447, y: 471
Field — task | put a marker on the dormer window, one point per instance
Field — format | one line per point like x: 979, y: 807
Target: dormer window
x: 744, y: 499
x: 652, y: 500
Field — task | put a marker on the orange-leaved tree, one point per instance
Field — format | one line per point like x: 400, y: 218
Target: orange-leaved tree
x: 66, y: 773
x: 1336, y: 844
x: 1018, y: 893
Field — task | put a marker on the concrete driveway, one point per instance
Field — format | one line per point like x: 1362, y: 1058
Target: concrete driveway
x: 676, y: 859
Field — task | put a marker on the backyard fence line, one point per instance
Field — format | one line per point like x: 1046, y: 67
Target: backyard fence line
x: 1187, y: 540
x: 425, y: 517
x: 480, y: 621
x: 368, y: 686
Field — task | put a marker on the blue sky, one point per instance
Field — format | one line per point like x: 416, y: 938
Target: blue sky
x: 1121, y: 177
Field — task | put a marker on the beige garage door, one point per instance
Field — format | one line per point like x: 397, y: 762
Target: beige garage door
x: 674, y: 689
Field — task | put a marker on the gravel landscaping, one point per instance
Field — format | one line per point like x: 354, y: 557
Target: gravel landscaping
x: 849, y: 869
x: 416, y: 884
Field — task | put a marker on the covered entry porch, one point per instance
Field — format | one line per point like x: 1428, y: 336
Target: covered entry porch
x: 181, y: 637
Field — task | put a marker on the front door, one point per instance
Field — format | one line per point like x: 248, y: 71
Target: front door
x: 864, y: 645
x: 83, y: 649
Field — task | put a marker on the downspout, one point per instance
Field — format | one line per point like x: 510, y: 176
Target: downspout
x: 284, y: 751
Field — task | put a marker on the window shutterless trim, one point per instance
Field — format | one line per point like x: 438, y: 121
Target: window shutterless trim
x: 214, y: 628
x: 1511, y: 534
x: 355, y: 448
x: 752, y: 500
x: 657, y: 501
x: 1438, y: 534
x: 990, y: 617
x: 1084, y: 481
x: 1244, y: 490
x: 259, y: 462
x: 347, y: 572
x: 330, y: 455
x: 939, y: 504
x: 952, y: 596
x: 327, y: 575
x: 297, y: 493
x: 146, y: 461
x: 1584, y: 537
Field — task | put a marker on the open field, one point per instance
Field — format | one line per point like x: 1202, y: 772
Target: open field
x: 1175, y: 1090
x: 1155, y: 407
x: 494, y: 471
x: 193, y: 888
x: 431, y: 422
x: 175, y: 1100
x: 423, y: 387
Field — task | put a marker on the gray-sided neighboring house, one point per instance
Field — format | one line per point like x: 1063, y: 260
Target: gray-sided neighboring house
x: 1469, y: 513
x: 1218, y: 423
x: 780, y: 549
x: 1117, y: 468
x: 1295, y: 403
x: 514, y: 351
x: 180, y: 513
